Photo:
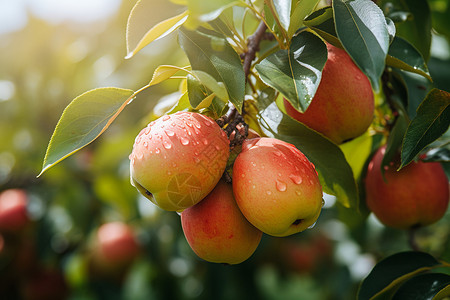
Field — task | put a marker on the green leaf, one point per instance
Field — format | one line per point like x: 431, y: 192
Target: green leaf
x: 392, y: 271
x: 212, y: 54
x: 163, y: 73
x: 335, y: 174
x: 422, y: 287
x: 362, y: 30
x: 301, y: 9
x: 196, y: 91
x: 205, y: 11
x: 84, y: 120
x: 283, y: 11
x: 417, y: 29
x: 404, y: 56
x: 157, y: 32
x: 322, y: 22
x: 431, y: 122
x: 356, y: 152
x: 216, y: 87
x: 182, y: 104
x: 296, y: 72
x: 395, y: 140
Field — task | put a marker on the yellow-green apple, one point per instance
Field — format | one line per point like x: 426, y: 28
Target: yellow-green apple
x: 417, y: 195
x: 115, y: 246
x: 217, y: 231
x: 276, y: 187
x: 343, y: 105
x: 178, y: 159
x: 13, y: 210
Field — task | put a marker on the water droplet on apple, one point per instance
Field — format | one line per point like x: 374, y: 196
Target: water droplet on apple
x: 157, y: 150
x: 196, y: 159
x: 147, y: 130
x: 312, y: 226
x: 165, y: 118
x: 269, y: 192
x: 167, y: 144
x: 217, y: 147
x: 169, y: 173
x: 184, y: 141
x: 296, y: 178
x: 198, y: 125
x: 145, y: 144
x: 207, y: 123
x: 281, y: 186
x: 205, y: 142
x: 170, y: 133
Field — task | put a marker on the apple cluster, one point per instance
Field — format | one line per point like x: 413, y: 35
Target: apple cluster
x: 178, y: 161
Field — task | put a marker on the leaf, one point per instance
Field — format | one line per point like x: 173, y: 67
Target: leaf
x: 216, y: 87
x: 395, y: 140
x: 157, y: 32
x: 205, y: 11
x: 362, y: 30
x: 404, y: 56
x: 422, y: 287
x: 212, y: 54
x: 417, y: 29
x: 356, y: 152
x: 283, y: 11
x: 392, y: 271
x: 182, y: 104
x: 296, y: 72
x: 84, y: 120
x: 196, y: 91
x: 431, y: 122
x: 322, y: 22
x: 301, y: 9
x: 335, y: 174
x: 163, y: 73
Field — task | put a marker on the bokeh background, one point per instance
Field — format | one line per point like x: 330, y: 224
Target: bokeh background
x: 52, y: 51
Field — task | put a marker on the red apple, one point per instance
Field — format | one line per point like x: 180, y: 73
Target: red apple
x: 276, y: 187
x: 13, y: 210
x: 417, y: 195
x: 343, y: 105
x: 178, y: 159
x: 217, y: 231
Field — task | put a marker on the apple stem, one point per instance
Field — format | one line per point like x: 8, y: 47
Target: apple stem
x: 412, y: 239
x: 253, y: 47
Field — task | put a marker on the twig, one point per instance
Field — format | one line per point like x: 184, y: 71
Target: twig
x: 253, y: 47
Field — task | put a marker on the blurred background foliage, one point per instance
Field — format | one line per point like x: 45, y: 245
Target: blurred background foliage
x: 49, y: 58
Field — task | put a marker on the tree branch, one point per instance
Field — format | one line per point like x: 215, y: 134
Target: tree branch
x: 253, y: 47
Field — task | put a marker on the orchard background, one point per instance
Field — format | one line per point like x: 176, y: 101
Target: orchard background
x: 54, y: 51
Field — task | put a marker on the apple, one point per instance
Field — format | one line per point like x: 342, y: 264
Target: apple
x: 115, y: 246
x: 178, y: 159
x: 343, y: 106
x: 13, y: 210
x: 417, y: 195
x: 217, y: 231
x: 276, y: 187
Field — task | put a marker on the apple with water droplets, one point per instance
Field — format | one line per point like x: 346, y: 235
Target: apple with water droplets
x: 343, y: 106
x: 216, y: 229
x: 276, y: 187
x: 178, y: 159
x: 417, y: 195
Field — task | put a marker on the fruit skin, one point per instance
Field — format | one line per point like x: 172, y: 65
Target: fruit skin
x: 115, y: 246
x: 13, y: 210
x: 178, y: 159
x: 343, y: 105
x: 276, y: 187
x: 417, y: 195
x: 217, y: 231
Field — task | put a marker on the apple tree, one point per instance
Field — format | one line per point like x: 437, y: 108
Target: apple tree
x: 281, y: 107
